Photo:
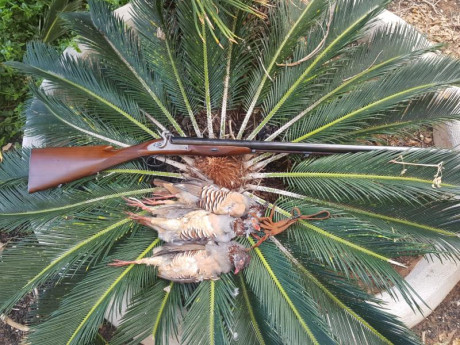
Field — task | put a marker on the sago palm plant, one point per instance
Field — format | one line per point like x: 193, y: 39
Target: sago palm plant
x: 301, y: 71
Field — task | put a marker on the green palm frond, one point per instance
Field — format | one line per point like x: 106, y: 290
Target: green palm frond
x: 432, y: 228
x: 59, y: 252
x: 100, y: 287
x: 209, y: 318
x: 359, y: 64
x: 363, y: 253
x: 14, y: 168
x: 250, y: 321
x: 106, y: 32
x: 357, y: 312
x: 84, y: 80
x: 326, y: 286
x: 376, y: 177
x: 290, y: 22
x: 203, y: 64
x: 211, y: 14
x: 160, y: 321
x: 53, y: 25
x: 45, y: 207
x: 351, y: 111
x: 428, y: 110
x: 84, y: 129
x: 162, y: 50
x: 344, y: 28
x: 319, y: 71
x: 291, y: 312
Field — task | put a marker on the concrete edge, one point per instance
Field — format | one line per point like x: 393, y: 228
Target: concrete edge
x: 432, y: 279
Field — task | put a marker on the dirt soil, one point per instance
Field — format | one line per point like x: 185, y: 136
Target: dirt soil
x: 439, y: 20
x: 442, y: 327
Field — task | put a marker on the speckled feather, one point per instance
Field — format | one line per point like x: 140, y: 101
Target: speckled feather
x: 196, y: 225
x: 208, y: 197
x: 189, y: 263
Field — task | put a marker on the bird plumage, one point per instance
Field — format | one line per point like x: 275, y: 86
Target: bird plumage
x: 197, y: 221
x: 206, y: 196
x: 194, y: 226
x: 191, y: 263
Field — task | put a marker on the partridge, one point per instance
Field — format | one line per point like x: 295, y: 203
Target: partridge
x: 195, y: 193
x: 196, y: 225
x: 192, y: 263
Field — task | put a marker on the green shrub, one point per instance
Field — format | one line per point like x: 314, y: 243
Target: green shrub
x: 19, y: 23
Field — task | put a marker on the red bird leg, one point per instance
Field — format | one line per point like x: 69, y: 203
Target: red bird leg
x: 139, y: 218
x: 272, y: 228
x: 136, y: 203
x: 158, y: 200
x: 261, y: 240
x: 257, y: 237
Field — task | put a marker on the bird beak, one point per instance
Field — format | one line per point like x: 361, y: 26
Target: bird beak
x: 236, y: 270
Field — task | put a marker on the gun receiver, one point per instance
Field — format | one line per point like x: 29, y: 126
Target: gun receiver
x: 50, y: 167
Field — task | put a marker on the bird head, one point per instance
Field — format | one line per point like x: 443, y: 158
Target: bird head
x: 245, y: 226
x: 235, y: 204
x: 239, y: 257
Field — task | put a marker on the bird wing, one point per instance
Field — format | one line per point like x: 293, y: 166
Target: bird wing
x: 182, y: 280
x: 172, y: 211
x: 189, y: 186
x: 179, y: 247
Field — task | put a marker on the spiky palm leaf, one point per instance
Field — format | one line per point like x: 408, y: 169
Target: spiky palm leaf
x: 53, y: 26
x: 316, y: 71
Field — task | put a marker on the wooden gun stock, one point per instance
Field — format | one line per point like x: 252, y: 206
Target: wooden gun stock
x: 50, y: 167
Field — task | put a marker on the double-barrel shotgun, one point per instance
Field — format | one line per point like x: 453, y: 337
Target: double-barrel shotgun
x: 52, y: 166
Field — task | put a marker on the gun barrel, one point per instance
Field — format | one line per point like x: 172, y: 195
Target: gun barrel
x: 269, y: 146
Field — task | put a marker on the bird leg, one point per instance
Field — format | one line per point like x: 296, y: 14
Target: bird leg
x: 139, y: 218
x: 137, y: 203
x: 159, y: 200
x: 146, y: 203
x: 272, y: 228
x: 260, y: 239
x: 120, y: 263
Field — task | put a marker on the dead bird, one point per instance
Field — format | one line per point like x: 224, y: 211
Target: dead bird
x: 196, y: 193
x: 196, y: 225
x: 191, y: 263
